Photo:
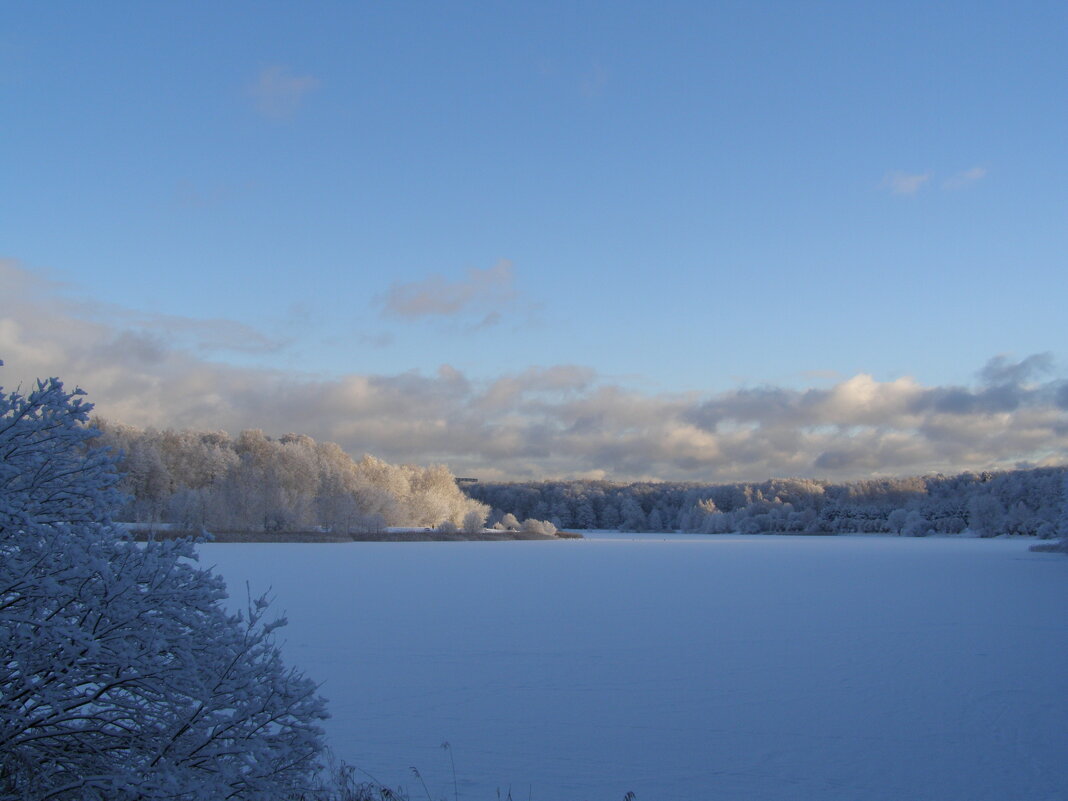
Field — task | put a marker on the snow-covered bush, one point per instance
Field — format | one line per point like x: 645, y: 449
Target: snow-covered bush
x: 541, y: 527
x: 475, y: 520
x: 121, y: 674
x: 895, y: 521
x: 916, y: 525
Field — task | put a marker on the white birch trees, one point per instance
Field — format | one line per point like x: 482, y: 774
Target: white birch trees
x: 257, y: 483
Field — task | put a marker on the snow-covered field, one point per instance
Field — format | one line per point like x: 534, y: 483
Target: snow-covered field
x: 685, y: 667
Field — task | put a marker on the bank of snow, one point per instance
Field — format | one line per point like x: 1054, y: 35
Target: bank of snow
x: 686, y: 667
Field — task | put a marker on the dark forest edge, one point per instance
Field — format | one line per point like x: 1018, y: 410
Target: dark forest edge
x: 1020, y: 502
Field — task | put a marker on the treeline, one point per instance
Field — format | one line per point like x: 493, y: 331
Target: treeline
x: 253, y: 482
x: 1026, y: 502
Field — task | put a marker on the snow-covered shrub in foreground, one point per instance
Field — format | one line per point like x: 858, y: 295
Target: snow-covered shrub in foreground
x: 121, y: 675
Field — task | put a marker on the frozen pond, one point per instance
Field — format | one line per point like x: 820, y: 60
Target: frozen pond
x: 684, y: 667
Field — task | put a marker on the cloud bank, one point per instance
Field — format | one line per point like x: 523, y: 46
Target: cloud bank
x: 553, y: 421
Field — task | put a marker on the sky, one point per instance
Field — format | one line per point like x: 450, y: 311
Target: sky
x: 694, y: 241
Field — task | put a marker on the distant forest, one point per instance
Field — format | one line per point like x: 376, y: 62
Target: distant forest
x: 253, y: 482
x: 1025, y: 502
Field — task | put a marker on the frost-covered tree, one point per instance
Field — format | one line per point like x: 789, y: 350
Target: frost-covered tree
x: 633, y: 516
x: 539, y: 527
x: 475, y: 520
x: 916, y: 525
x: 258, y: 483
x: 1062, y: 521
x: 122, y: 676
x: 985, y: 513
x: 896, y: 520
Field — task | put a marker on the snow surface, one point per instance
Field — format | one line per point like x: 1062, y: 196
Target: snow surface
x: 684, y: 666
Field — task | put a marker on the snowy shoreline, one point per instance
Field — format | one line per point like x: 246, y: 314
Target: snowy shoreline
x: 141, y: 534
x: 164, y: 531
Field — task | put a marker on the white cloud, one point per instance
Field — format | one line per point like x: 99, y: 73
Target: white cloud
x: 965, y: 178
x: 278, y: 93
x: 558, y: 420
x: 484, y: 293
x: 905, y: 183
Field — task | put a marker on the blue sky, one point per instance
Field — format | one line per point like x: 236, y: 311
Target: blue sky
x: 671, y: 200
